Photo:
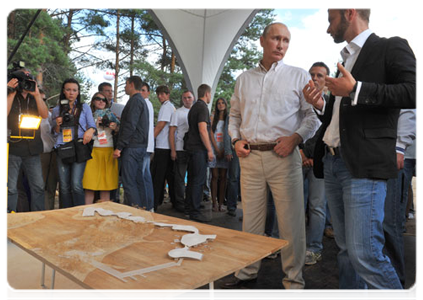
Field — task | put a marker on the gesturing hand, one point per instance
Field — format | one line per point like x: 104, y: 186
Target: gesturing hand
x: 341, y: 86
x: 313, y: 95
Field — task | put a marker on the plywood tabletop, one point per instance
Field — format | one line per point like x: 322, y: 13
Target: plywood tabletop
x: 76, y: 246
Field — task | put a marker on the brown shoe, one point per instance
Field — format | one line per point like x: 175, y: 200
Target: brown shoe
x: 236, y: 283
x: 329, y: 232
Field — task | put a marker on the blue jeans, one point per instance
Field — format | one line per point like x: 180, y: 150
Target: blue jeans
x: 33, y: 171
x: 357, y: 209
x: 315, y: 200
x: 233, y: 183
x: 70, y: 183
x: 394, y: 222
x: 148, y: 198
x: 197, y: 175
x: 134, y: 178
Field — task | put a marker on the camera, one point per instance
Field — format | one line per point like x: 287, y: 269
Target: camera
x: 68, y: 119
x: 26, y: 81
x: 105, y: 121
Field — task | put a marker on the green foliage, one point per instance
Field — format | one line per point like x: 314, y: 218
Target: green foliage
x: 41, y: 49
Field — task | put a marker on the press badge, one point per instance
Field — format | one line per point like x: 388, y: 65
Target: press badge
x: 102, y: 138
x: 67, y: 135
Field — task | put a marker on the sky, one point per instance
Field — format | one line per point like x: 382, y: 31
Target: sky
x: 310, y: 42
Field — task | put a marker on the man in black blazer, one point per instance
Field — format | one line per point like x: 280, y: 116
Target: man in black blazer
x: 355, y: 152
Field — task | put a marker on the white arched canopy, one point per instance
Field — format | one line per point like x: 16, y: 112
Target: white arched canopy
x: 202, y: 39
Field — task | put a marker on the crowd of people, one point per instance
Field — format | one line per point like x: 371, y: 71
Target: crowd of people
x: 304, y: 151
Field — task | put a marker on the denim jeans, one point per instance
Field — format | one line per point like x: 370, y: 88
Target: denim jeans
x: 33, y: 171
x: 197, y: 175
x: 394, y: 222
x: 133, y: 176
x: 357, y: 209
x: 315, y: 200
x: 148, y: 184
x: 233, y: 183
x: 70, y: 183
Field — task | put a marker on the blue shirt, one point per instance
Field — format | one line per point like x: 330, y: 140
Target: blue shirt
x: 86, y: 121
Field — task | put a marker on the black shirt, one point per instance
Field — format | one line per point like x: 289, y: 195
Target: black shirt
x: 21, y: 146
x: 133, y: 132
x: 198, y: 113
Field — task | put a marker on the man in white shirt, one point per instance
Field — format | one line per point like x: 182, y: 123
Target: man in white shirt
x: 162, y: 165
x: 269, y: 118
x: 178, y: 128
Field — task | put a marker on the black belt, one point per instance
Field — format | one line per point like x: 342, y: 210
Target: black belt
x: 262, y: 147
x: 334, y: 151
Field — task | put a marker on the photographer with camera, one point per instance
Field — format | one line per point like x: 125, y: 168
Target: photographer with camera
x: 101, y: 172
x: 74, y: 127
x: 25, y: 145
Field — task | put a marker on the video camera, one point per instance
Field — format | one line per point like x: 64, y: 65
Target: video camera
x: 26, y: 81
x: 105, y: 121
x: 68, y: 118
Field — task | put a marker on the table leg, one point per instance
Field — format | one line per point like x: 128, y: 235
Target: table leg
x: 211, y: 288
x: 43, y: 271
x: 53, y: 276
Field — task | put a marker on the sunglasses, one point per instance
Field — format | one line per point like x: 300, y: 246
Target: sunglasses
x: 100, y: 99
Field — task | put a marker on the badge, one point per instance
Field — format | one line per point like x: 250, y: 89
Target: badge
x: 102, y: 138
x: 67, y: 135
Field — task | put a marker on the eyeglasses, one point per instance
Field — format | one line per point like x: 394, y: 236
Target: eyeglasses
x: 100, y: 99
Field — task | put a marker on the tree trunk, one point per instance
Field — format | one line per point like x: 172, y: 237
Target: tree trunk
x: 11, y: 25
x: 172, y: 64
x: 66, y: 39
x: 117, y: 56
x: 163, y: 54
x: 40, y: 68
x: 131, y: 55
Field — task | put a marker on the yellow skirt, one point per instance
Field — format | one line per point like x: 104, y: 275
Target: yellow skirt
x: 101, y: 172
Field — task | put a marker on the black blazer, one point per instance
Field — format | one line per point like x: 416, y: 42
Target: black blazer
x: 368, y: 131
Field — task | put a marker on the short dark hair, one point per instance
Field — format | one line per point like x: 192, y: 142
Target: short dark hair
x: 145, y: 84
x: 102, y: 85
x: 202, y: 90
x: 321, y: 64
x: 137, y: 81
x: 162, y: 89
x: 363, y: 13
x: 187, y: 91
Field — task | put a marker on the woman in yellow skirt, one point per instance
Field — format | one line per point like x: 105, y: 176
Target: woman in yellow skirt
x: 102, y: 173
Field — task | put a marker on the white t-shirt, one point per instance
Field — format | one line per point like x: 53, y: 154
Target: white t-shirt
x: 165, y: 113
x: 150, y: 145
x: 180, y: 121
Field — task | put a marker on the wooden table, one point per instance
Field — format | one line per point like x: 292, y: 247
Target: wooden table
x: 75, y: 245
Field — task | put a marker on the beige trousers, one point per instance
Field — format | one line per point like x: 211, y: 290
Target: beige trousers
x: 262, y: 170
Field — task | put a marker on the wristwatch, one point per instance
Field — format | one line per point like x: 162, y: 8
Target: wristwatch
x: 234, y: 142
x: 352, y: 93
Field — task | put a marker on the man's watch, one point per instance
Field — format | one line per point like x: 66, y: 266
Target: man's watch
x: 352, y: 93
x: 234, y: 142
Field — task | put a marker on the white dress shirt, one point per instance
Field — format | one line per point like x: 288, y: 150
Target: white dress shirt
x: 349, y: 54
x: 267, y: 105
x: 180, y: 121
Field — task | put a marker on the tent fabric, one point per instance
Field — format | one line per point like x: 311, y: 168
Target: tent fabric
x: 202, y: 39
